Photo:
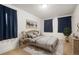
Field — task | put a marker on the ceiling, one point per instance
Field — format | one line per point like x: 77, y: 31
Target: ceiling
x: 52, y: 10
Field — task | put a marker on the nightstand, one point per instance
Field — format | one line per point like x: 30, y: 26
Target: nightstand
x: 22, y: 43
x: 68, y: 49
x: 71, y: 47
x: 76, y: 46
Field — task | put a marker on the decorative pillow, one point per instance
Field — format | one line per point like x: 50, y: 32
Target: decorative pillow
x: 28, y: 35
x: 23, y: 35
x: 34, y: 36
x: 31, y: 35
x: 36, y: 33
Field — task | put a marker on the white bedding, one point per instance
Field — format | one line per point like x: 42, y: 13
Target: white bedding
x: 46, y: 42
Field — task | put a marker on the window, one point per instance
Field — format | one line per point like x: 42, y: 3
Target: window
x: 48, y: 25
x: 63, y: 23
x: 8, y: 23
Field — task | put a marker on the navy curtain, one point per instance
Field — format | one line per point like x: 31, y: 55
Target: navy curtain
x: 48, y: 25
x: 63, y: 23
x: 14, y: 24
x: 8, y: 23
x: 1, y: 21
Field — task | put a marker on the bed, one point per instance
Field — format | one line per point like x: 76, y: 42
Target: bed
x: 46, y: 42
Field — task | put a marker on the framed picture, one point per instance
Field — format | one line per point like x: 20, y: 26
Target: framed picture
x: 31, y: 24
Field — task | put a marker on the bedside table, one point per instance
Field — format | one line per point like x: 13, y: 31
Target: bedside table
x: 71, y: 47
x: 76, y: 46
x: 22, y: 43
x: 68, y: 49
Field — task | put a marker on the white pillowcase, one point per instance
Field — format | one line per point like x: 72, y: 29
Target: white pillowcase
x: 31, y: 35
x: 36, y: 33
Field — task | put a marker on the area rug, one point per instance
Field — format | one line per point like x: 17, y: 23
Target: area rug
x: 37, y: 51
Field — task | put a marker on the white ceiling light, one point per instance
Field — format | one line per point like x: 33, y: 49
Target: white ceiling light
x: 44, y: 6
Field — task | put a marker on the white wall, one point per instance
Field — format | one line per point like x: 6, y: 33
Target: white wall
x: 55, y: 28
x: 22, y: 16
x: 75, y: 19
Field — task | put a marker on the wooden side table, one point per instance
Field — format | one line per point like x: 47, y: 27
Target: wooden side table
x: 71, y: 47
x: 76, y: 46
x: 68, y: 49
x: 22, y: 43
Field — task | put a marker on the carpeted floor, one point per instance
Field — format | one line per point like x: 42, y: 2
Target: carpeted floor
x: 37, y: 51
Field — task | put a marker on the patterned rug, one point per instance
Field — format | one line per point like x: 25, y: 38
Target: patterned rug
x: 38, y: 51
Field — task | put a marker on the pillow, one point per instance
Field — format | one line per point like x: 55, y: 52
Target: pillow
x: 28, y: 35
x: 34, y: 36
x: 23, y: 35
x: 36, y: 33
x: 31, y: 35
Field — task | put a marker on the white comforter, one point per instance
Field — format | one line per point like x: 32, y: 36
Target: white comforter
x: 46, y: 42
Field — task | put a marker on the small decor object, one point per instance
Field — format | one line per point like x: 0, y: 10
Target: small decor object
x: 67, y: 32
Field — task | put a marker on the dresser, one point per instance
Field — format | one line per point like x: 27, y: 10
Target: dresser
x: 71, y: 47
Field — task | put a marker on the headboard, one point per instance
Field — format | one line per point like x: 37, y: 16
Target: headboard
x: 32, y: 31
x: 29, y: 34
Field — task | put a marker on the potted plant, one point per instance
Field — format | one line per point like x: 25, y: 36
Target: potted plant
x: 67, y: 32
